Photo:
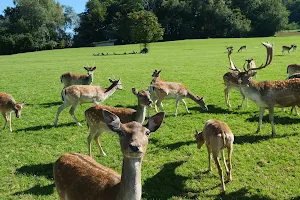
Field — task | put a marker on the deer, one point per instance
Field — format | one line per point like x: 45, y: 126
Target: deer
x: 294, y: 47
x: 77, y: 94
x: 230, y: 48
x: 231, y: 82
x: 9, y: 105
x: 242, y: 48
x: 161, y: 90
x: 269, y: 94
x: 96, y: 123
x: 286, y: 48
x: 292, y: 69
x: 78, y: 176
x: 70, y: 78
x: 217, y: 136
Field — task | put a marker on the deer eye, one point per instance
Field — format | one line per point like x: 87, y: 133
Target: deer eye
x: 148, y: 132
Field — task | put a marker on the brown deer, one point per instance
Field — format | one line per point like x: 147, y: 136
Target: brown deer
x: 286, y: 48
x: 270, y: 94
x: 96, y: 123
x: 70, y: 78
x: 7, y: 106
x: 161, y: 90
x: 242, y: 48
x: 217, y: 136
x: 77, y: 94
x: 77, y: 176
x: 231, y: 82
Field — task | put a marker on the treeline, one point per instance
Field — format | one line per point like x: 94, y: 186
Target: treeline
x: 41, y: 24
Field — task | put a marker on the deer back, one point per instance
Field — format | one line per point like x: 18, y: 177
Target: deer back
x: 70, y: 78
x: 84, y: 93
x: 78, y: 176
x: 170, y: 89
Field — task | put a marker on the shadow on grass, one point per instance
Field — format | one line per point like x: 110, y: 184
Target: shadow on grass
x: 165, y: 184
x: 277, y: 120
x: 47, y: 126
x: 218, y: 110
x: 243, y: 194
x: 176, y: 145
x: 47, y: 105
x: 45, y: 170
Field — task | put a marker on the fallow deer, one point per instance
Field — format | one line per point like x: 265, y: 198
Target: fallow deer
x: 217, y: 136
x: 242, y: 48
x: 7, y: 106
x: 231, y: 82
x: 96, y: 123
x: 270, y: 94
x: 77, y: 176
x: 294, y: 47
x: 286, y: 48
x: 161, y: 90
x: 70, y: 78
x: 77, y: 94
x: 292, y: 69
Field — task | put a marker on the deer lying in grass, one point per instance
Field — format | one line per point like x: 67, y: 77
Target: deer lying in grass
x: 270, y: 94
x: 161, y: 90
x: 78, y: 176
x: 242, y: 48
x: 77, y: 94
x: 217, y: 136
x: 7, y: 106
x: 286, y: 48
x: 96, y: 123
x: 292, y: 69
x: 70, y: 78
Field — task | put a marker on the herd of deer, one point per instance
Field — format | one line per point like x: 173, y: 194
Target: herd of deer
x: 78, y: 176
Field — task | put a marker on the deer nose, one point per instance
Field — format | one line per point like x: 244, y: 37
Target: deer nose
x: 134, y: 148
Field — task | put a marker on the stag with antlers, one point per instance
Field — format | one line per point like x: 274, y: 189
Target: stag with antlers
x: 269, y: 94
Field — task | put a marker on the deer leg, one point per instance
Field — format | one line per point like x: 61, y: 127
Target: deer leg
x: 226, y: 91
x: 215, y: 156
x: 72, y: 113
x: 96, y: 138
x: 60, y: 109
x: 296, y: 111
x: 224, y: 161
x: 158, y: 104
x: 9, y: 120
x: 177, y: 100
x: 5, y: 118
x: 184, y: 103
x: 209, y: 158
x: 89, y: 140
x: 271, y: 118
x: 261, y: 114
x: 241, y: 104
x: 229, y: 176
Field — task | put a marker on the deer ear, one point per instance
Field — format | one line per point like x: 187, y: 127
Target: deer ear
x: 155, y: 121
x: 159, y: 71
x: 112, y: 121
x: 85, y: 68
x: 135, y: 91
x: 110, y: 80
x: 94, y: 68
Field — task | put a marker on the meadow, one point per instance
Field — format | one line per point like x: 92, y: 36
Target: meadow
x: 264, y: 167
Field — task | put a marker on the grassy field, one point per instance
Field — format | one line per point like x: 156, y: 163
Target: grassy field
x: 173, y: 167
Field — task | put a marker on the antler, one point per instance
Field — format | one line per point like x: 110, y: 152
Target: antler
x: 232, y: 65
x: 269, y: 48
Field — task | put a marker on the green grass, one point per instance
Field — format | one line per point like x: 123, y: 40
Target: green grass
x: 173, y: 167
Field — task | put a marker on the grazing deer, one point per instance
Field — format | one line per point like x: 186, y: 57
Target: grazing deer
x: 161, y: 90
x: 77, y: 94
x: 231, y: 82
x: 70, y: 78
x: 242, y: 48
x: 270, y: 94
x: 292, y: 69
x: 77, y: 176
x: 217, y: 136
x: 96, y: 123
x: 7, y: 106
x: 286, y: 48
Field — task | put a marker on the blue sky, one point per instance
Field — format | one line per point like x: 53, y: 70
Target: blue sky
x: 78, y: 5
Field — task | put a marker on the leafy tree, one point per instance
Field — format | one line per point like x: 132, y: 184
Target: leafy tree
x: 144, y: 27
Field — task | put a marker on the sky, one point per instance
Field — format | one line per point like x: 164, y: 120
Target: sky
x: 78, y: 5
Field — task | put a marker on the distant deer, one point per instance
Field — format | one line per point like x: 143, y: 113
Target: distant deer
x: 217, y: 136
x: 294, y: 47
x: 96, y: 123
x: 77, y: 176
x: 270, y: 94
x: 70, y: 78
x: 230, y: 48
x: 286, y: 48
x: 161, y: 90
x: 7, y: 106
x: 231, y: 82
x: 77, y: 94
x: 242, y: 48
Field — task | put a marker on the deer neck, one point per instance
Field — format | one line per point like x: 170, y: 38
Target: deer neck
x: 109, y: 91
x: 192, y: 96
x: 254, y: 92
x: 140, y: 114
x: 91, y: 77
x: 131, y: 187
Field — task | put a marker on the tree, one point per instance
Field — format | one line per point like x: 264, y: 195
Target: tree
x: 144, y: 27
